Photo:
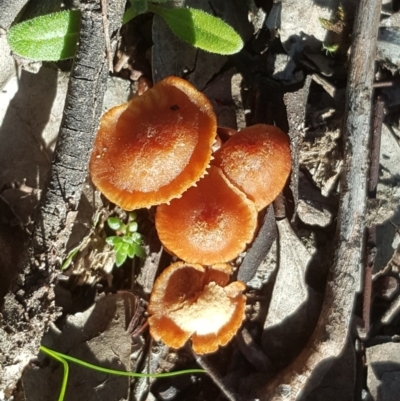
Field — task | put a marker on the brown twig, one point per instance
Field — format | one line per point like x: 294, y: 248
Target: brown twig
x: 378, y: 115
x: 367, y: 290
x: 332, y: 329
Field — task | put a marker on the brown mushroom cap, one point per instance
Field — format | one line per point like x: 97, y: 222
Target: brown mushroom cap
x: 189, y: 300
x: 211, y: 223
x: 152, y: 149
x: 257, y: 160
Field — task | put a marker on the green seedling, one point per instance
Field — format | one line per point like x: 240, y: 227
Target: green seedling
x: 127, y: 242
x: 54, y: 36
x: 330, y: 49
x: 64, y: 359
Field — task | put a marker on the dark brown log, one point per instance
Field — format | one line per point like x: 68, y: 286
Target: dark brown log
x: 80, y: 123
x: 331, y: 332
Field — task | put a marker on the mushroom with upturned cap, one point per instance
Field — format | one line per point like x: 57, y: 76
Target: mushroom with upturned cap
x: 193, y: 301
x: 257, y: 160
x: 153, y: 148
x: 211, y: 223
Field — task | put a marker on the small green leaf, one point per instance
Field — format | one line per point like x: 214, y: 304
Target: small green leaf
x: 128, y: 240
x: 118, y: 246
x: 114, y: 223
x: 131, y: 251
x: 120, y: 258
x: 49, y: 37
x: 132, y: 227
x: 70, y: 256
x: 113, y: 240
x: 200, y: 29
x: 125, y: 247
x: 136, y: 237
x: 139, y: 251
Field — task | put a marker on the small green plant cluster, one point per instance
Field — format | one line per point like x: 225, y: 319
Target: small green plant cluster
x: 64, y: 359
x: 127, y: 242
x: 54, y: 36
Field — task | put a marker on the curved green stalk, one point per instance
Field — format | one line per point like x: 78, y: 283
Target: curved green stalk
x: 58, y: 356
x: 117, y: 372
x: 62, y: 360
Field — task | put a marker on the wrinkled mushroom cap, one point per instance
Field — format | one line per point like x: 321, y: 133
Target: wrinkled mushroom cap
x: 189, y: 300
x: 211, y: 223
x: 150, y: 150
x: 257, y: 160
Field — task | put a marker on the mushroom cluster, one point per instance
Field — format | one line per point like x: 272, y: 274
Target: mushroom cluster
x: 211, y: 223
x: 157, y: 150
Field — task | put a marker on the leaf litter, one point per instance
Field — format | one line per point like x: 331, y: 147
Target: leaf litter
x: 290, y: 274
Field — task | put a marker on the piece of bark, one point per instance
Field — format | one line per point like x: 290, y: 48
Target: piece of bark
x: 332, y: 328
x: 30, y: 307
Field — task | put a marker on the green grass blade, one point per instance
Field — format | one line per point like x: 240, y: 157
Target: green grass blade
x: 67, y: 262
x: 55, y: 354
x: 49, y: 37
x: 201, y: 29
x: 62, y: 360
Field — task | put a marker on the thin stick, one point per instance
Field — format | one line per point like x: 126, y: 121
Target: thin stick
x: 106, y: 27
